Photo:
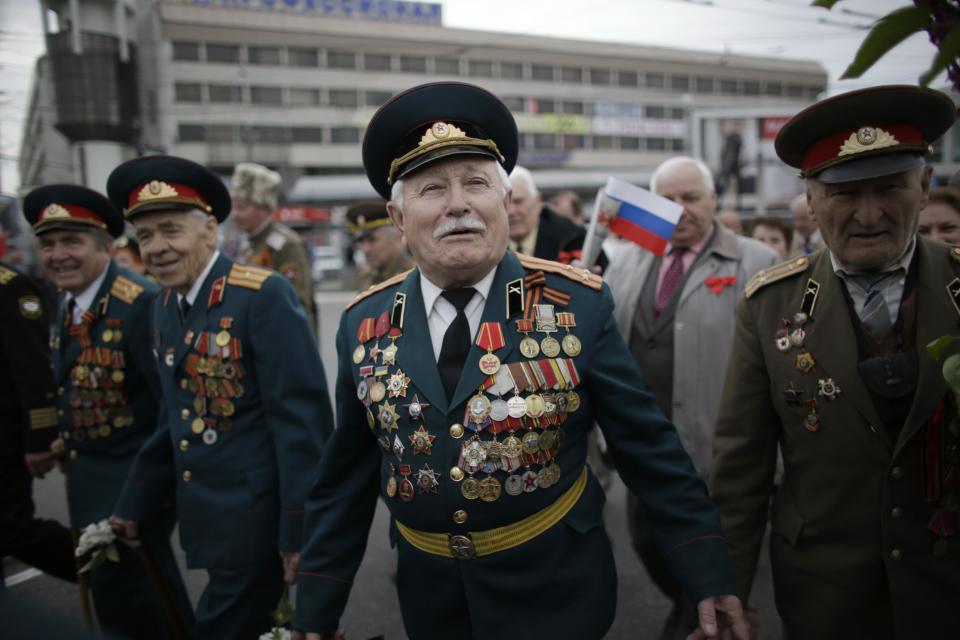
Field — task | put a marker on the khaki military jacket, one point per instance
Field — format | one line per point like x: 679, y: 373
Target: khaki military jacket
x: 280, y: 248
x: 852, y: 548
x: 369, y: 277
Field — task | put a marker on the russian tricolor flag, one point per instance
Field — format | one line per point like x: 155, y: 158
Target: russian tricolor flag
x: 643, y: 217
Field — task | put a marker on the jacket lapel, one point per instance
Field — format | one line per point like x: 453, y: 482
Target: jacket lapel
x: 832, y: 341
x: 936, y: 316
x: 196, y: 320
x: 722, y: 247
x: 415, y: 348
x: 69, y: 353
x: 493, y: 311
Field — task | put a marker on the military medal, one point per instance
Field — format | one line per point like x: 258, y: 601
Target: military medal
x: 513, y: 485
x: 782, y: 338
x: 792, y: 394
x: 490, y: 337
x: 391, y: 488
x: 828, y: 389
x: 397, y: 384
x: 573, y: 401
x: 370, y: 419
x: 117, y: 376
x: 534, y: 405
x: 422, y: 441
x: 812, y: 421
x: 210, y: 436
x: 456, y: 474
x: 384, y: 441
x: 364, y: 334
x: 398, y: 447
x: 470, y: 488
x: 529, y: 479
x: 197, y: 426
x: 415, y: 408
x: 473, y: 454
x: 547, y: 324
x: 362, y: 391
x: 406, y: 490
x: 107, y: 335
x: 390, y: 353
x: 544, y: 478
x: 548, y: 440
x: 378, y: 391
x: 427, y: 479
x: 805, y: 362
x: 570, y: 343
x: 797, y: 337
x: 358, y: 354
x: 528, y: 346
x: 388, y: 416
x: 499, y: 410
x: 516, y: 406
x: 223, y: 337
x: 511, y: 447
x: 489, y: 489
x: 168, y: 357
x: 531, y: 442
x: 478, y: 408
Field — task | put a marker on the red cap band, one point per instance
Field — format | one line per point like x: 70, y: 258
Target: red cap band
x: 69, y: 213
x: 848, y: 144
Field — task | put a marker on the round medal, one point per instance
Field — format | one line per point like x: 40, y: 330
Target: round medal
x: 456, y: 474
x: 499, y: 410
x: 197, y: 426
x: 573, y: 401
x: 184, y: 383
x: 210, y: 436
x: 104, y: 430
x: 550, y: 347
x: 117, y: 376
x: 391, y: 487
x: 535, y: 405
x: 107, y: 335
x: 562, y: 402
x: 529, y: 479
x: 489, y: 489
x: 406, y: 490
x: 548, y: 440
x: 479, y: 406
x: 117, y: 335
x: 362, y: 389
x: 470, y: 488
x: 529, y: 347
x: 549, y: 404
x: 456, y: 431
x: 571, y: 345
x: 812, y: 422
x: 797, y: 336
x: 531, y: 442
x: 359, y: 354
x: 489, y: 364
x: 543, y: 478
x: 554, y: 471
x: 516, y: 407
x: 378, y: 391
x: 513, y: 485
x: 512, y: 447
x: 223, y: 338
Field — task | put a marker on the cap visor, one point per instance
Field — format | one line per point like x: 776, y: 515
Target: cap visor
x: 866, y: 168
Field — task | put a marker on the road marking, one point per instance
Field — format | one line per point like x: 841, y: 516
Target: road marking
x: 23, y: 576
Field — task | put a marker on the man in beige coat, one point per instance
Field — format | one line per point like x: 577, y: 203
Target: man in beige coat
x: 677, y: 319
x: 829, y: 362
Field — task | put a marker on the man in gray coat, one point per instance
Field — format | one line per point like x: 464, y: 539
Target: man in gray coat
x: 676, y: 314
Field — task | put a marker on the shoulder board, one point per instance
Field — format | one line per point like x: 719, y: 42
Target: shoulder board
x: 243, y: 275
x: 577, y: 274
x: 955, y: 253
x: 389, y: 282
x: 775, y: 273
x: 126, y: 290
x: 6, y: 275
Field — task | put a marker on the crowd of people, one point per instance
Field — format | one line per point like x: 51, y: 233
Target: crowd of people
x: 758, y: 374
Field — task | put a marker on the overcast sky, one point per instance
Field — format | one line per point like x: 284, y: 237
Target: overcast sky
x: 785, y: 28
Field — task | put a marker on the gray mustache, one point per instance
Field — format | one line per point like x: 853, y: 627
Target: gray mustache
x: 458, y: 224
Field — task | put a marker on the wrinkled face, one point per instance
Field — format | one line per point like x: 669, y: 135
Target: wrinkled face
x: 175, y: 246
x: 803, y: 221
x: 249, y: 217
x: 772, y: 237
x: 523, y: 212
x: 868, y: 223
x: 380, y: 246
x: 939, y: 221
x: 454, y: 219
x: 73, y: 259
x: 684, y: 185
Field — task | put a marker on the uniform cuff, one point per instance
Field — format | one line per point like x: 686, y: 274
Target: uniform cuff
x: 703, y: 567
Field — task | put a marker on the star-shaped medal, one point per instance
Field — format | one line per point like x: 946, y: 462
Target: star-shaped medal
x: 427, y: 479
x: 398, y: 447
x: 415, y: 408
x: 374, y: 352
x: 390, y: 354
x: 422, y: 441
x: 387, y: 415
x: 397, y: 384
x: 792, y: 394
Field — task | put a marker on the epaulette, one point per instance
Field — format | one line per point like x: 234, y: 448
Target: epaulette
x: 243, y: 275
x: 6, y: 275
x: 775, y: 273
x: 955, y: 253
x: 372, y: 289
x: 126, y: 290
x: 577, y: 274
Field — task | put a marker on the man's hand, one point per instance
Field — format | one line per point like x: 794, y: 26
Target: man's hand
x: 126, y: 530
x: 291, y: 559
x: 721, y: 617
x: 38, y: 464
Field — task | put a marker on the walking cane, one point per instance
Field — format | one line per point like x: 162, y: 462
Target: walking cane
x: 162, y: 587
x: 83, y: 582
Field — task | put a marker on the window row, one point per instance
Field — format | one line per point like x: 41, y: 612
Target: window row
x: 197, y: 93
x: 506, y: 70
x: 568, y: 142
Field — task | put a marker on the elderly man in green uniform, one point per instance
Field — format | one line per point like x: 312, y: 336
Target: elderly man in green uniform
x: 830, y: 362
x: 28, y: 426
x: 108, y: 397
x: 255, y: 191
x: 465, y: 394
x: 245, y: 410
x: 381, y: 242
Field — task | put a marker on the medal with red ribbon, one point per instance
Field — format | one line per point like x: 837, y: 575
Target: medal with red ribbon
x: 490, y: 337
x: 364, y: 334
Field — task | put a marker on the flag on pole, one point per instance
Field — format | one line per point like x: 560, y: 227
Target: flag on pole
x: 641, y: 217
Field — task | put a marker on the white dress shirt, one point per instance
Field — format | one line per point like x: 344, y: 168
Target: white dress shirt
x: 85, y: 298
x: 441, y: 312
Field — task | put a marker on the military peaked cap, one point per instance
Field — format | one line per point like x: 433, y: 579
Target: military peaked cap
x: 70, y: 207
x: 155, y: 183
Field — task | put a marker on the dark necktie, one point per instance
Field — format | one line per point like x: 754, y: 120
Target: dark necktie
x: 71, y: 306
x: 671, y: 279
x: 456, y: 341
x: 184, y: 309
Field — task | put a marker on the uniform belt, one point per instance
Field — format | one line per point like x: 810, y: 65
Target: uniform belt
x: 484, y: 543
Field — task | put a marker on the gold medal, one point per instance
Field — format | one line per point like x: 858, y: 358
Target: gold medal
x: 550, y: 347
x: 378, y: 391
x: 223, y: 338
x: 390, y: 354
x: 228, y: 408
x: 104, y: 430
x: 470, y: 488
x: 391, y: 486
x: 184, y: 384
x: 358, y: 355
x: 531, y: 442
x: 535, y: 405
x: 489, y: 489
x: 370, y: 419
x: 571, y: 345
x: 117, y: 335
x: 107, y: 335
x: 529, y: 347
x: 117, y: 376
x: 548, y: 440
x: 489, y: 364
x: 573, y: 401
x: 456, y: 474
x: 512, y: 447
x: 479, y: 408
x: 197, y: 426
x: 543, y: 478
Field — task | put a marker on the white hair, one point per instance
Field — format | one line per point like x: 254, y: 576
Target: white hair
x: 396, y: 191
x: 523, y: 175
x: 678, y: 161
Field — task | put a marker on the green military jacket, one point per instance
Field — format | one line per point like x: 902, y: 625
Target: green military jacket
x: 280, y: 248
x: 856, y: 547
x: 369, y: 277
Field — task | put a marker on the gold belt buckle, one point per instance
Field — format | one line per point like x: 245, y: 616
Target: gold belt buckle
x: 462, y: 547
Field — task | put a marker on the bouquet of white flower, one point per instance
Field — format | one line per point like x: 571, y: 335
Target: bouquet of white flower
x: 99, y: 543
x: 282, y: 615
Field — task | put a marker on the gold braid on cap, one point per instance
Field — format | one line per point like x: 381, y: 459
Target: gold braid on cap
x: 438, y: 136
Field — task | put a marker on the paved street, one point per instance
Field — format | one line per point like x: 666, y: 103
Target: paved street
x: 373, y: 608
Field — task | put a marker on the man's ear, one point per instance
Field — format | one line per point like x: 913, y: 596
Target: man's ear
x: 396, y: 215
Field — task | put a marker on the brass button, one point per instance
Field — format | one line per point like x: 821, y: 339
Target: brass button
x: 896, y: 554
x: 59, y: 413
x: 456, y: 474
x: 456, y: 431
x: 459, y: 516
x: 896, y: 512
x: 61, y: 391
x: 187, y: 475
x: 184, y: 413
x: 897, y: 472
x: 184, y: 445
x: 49, y: 395
x: 73, y: 454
